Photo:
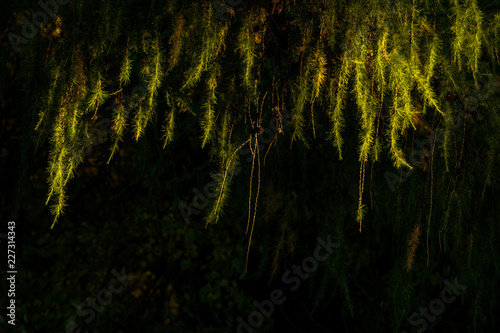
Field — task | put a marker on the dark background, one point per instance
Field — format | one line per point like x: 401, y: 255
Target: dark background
x: 191, y: 278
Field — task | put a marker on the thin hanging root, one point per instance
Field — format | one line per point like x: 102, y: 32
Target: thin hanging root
x: 430, y: 210
x: 251, y: 179
x: 256, y: 200
x: 412, y: 247
x: 361, y: 189
x: 275, y: 139
x: 261, y: 106
x: 225, y: 176
x: 312, y: 119
x: 463, y: 142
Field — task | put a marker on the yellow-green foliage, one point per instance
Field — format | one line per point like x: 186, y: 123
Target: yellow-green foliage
x: 170, y: 121
x: 388, y: 58
x: 213, y: 43
x: 175, y: 42
x: 319, y: 73
x: 468, y: 29
x: 98, y: 95
x: 364, y: 99
x: 298, y: 118
x: 246, y: 48
x: 126, y: 70
x: 208, y: 120
x: 337, y: 94
x: 119, y: 125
